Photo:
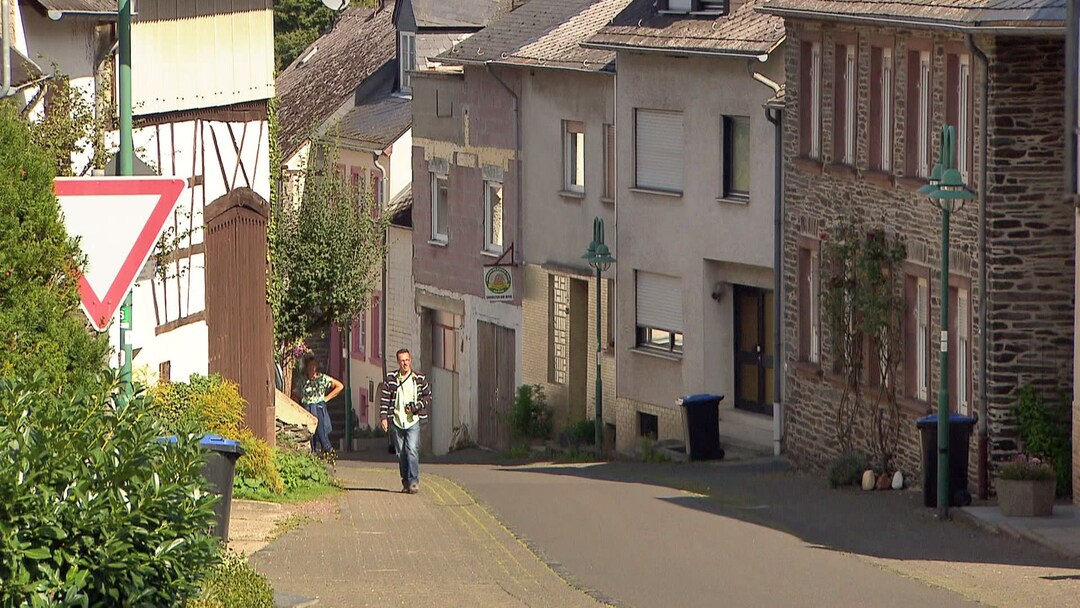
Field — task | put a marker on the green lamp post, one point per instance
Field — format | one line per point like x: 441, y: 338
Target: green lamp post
x: 948, y: 193
x: 600, y: 258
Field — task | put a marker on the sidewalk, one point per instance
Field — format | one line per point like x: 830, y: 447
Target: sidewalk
x: 1060, y: 532
x: 436, y: 548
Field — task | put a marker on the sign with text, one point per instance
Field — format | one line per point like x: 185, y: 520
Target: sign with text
x: 498, y: 283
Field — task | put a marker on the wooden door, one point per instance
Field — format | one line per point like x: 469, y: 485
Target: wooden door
x: 754, y: 360
x: 495, y: 384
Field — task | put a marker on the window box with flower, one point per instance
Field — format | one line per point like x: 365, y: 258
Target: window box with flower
x: 1025, y: 487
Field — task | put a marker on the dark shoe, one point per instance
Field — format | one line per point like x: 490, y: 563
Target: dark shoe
x: 414, y: 488
x: 404, y: 488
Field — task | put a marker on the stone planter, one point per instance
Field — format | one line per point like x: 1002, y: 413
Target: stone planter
x: 1026, y: 498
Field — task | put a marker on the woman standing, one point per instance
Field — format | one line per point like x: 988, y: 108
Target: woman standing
x: 314, y: 395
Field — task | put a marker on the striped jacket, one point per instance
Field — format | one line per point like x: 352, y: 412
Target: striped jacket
x: 389, y: 392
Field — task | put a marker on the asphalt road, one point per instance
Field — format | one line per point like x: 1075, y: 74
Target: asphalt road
x: 756, y: 537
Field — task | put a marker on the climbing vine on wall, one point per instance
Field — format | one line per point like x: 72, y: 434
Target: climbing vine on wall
x: 863, y: 311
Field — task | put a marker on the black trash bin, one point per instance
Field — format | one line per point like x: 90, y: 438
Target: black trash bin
x: 702, y: 421
x: 960, y: 428
x: 219, y: 470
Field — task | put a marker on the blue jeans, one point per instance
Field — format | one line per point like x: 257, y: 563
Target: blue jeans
x: 322, y: 431
x: 407, y: 443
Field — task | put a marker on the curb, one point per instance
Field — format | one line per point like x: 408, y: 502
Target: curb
x: 1017, y: 532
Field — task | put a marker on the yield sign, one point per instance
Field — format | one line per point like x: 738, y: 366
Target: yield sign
x: 118, y: 220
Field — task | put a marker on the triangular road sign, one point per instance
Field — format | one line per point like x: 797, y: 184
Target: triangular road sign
x: 118, y: 220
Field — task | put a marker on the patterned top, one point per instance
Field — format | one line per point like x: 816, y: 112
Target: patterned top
x: 315, y: 389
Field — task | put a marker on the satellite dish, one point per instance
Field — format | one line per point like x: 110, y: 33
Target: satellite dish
x: 336, y: 5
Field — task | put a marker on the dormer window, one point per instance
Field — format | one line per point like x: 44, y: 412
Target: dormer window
x: 693, y: 7
x: 406, y: 60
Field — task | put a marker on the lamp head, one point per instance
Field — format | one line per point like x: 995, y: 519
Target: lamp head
x: 952, y: 188
x: 932, y: 181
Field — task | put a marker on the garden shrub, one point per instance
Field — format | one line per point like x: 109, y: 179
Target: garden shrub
x: 211, y: 404
x: 582, y: 432
x: 1046, y: 432
x: 96, y: 511
x: 235, y: 584
x: 42, y: 327
x: 530, y: 415
x: 848, y: 469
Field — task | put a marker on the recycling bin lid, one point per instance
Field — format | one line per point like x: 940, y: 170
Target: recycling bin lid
x: 699, y: 399
x: 218, y: 443
x: 932, y: 419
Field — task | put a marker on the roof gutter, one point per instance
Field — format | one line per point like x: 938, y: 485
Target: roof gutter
x: 531, y: 66
x: 760, y: 56
x: 975, y: 27
x: 102, y: 15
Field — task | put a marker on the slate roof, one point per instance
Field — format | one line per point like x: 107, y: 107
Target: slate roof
x: 310, y: 92
x: 379, y: 118
x: 458, y: 13
x: 545, y: 33
x: 743, y: 32
x: 400, y: 208
x: 964, y: 14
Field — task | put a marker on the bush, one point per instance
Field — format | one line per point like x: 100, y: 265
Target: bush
x: 42, y: 328
x: 235, y: 584
x: 582, y: 432
x: 95, y: 510
x: 848, y: 470
x: 1046, y: 433
x: 299, y: 470
x: 1027, y: 468
x: 211, y: 404
x: 530, y: 415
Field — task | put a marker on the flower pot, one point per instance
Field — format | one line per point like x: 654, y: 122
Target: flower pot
x: 1026, y: 497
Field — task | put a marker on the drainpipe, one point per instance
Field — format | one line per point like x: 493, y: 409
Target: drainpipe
x: 1072, y: 47
x: 984, y: 448
x: 385, y: 187
x: 5, y: 52
x: 517, y: 157
x: 776, y: 118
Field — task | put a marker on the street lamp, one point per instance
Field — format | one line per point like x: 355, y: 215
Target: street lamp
x: 599, y: 257
x: 948, y: 193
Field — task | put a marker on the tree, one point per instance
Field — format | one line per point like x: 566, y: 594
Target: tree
x: 297, y: 24
x: 42, y: 328
x: 326, y: 250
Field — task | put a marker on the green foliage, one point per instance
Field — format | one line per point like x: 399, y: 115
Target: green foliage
x: 327, y: 252
x: 848, y: 470
x: 211, y: 404
x: 235, y: 584
x: 95, y: 510
x: 582, y: 432
x: 863, y: 310
x: 649, y: 453
x: 72, y: 125
x: 297, y: 24
x: 1027, y: 468
x: 530, y: 415
x: 42, y: 328
x: 1045, y: 432
x: 302, y: 476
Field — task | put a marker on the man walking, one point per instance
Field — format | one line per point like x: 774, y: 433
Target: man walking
x: 406, y: 397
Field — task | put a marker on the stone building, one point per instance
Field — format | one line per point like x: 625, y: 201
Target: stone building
x: 869, y: 86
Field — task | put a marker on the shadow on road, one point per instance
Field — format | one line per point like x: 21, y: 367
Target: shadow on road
x: 889, y: 525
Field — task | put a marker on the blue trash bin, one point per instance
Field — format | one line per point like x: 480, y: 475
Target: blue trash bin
x: 960, y: 428
x: 219, y: 471
x: 702, y: 423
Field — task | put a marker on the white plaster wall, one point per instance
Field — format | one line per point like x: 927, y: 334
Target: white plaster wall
x: 400, y: 165
x: 693, y: 236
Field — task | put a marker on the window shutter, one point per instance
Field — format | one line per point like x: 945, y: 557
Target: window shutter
x: 659, y: 301
x: 658, y: 150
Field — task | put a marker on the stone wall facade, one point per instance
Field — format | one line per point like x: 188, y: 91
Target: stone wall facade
x: 669, y: 419
x: 1029, y: 232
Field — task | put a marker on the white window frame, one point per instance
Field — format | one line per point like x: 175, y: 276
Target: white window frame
x: 886, y: 109
x: 490, y: 245
x: 436, y: 202
x: 922, y: 346
x: 658, y: 313
x: 963, y: 116
x: 851, y: 79
x: 406, y: 60
x: 963, y: 354
x: 815, y: 100
x: 727, y: 184
x: 923, y: 110
x: 574, y: 156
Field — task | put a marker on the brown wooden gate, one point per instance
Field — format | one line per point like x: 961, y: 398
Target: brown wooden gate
x: 495, y: 383
x: 238, y: 316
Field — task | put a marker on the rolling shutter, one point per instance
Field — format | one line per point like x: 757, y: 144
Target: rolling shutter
x: 658, y: 150
x: 659, y: 301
